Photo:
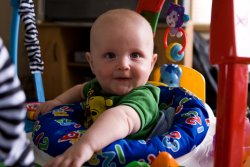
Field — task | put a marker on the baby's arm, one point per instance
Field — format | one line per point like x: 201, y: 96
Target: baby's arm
x: 72, y: 95
x: 113, y: 124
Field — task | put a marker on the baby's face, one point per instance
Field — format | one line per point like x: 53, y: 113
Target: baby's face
x: 122, y: 57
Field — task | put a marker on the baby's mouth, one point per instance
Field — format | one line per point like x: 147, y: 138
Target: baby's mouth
x: 122, y: 78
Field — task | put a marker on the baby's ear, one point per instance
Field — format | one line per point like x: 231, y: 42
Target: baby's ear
x: 89, y: 59
x: 87, y: 56
x: 154, y: 59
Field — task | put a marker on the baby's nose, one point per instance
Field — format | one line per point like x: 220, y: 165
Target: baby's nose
x: 123, y: 63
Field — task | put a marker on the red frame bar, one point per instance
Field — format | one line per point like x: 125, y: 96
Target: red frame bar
x: 231, y: 114
x: 232, y: 86
x: 150, y: 5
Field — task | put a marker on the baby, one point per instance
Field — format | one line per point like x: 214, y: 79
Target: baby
x: 121, y: 57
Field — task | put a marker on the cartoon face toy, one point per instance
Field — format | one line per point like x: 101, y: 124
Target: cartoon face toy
x: 175, y: 15
x: 98, y: 105
x: 175, y: 19
x: 172, y: 19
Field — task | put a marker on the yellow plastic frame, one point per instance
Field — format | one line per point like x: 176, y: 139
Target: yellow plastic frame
x: 191, y: 80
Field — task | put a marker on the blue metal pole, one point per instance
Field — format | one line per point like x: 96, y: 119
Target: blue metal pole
x: 14, y: 32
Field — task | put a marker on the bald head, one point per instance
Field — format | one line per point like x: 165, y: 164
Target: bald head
x: 123, y: 19
x: 121, y: 46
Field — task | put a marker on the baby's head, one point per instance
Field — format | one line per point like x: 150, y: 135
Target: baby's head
x: 121, y: 51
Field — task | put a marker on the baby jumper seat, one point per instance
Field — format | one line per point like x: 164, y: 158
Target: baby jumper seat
x: 187, y: 140
x: 190, y: 133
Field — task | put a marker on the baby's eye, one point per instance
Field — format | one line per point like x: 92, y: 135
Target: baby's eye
x: 110, y: 55
x: 135, y: 56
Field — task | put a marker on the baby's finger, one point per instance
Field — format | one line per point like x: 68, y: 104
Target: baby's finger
x: 36, y: 114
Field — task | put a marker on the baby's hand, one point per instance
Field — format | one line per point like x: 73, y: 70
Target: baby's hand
x: 42, y: 108
x: 75, y: 156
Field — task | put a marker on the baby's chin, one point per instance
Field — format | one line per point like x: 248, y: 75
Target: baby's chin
x: 121, y: 91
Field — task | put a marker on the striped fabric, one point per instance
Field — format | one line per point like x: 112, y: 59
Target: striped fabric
x: 14, y: 145
x: 26, y: 11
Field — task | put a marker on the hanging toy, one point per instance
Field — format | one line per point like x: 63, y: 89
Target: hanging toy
x: 170, y: 74
x: 175, y: 19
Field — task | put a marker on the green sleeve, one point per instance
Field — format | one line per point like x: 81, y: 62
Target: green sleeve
x: 144, y: 100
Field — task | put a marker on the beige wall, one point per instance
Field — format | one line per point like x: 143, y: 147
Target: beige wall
x: 5, y: 26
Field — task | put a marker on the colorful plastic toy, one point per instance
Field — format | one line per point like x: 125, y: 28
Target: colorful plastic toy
x: 175, y: 18
x: 190, y: 79
x: 170, y: 74
x: 164, y: 159
x: 137, y: 164
x: 31, y: 109
x: 57, y: 130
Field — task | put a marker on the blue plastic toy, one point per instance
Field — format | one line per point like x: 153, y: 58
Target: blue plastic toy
x: 170, y: 74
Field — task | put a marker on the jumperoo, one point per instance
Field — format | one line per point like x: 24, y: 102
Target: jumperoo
x: 196, y: 138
